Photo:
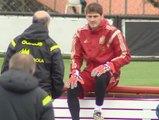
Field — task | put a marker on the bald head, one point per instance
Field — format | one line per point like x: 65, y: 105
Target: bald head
x: 22, y: 62
x: 41, y: 17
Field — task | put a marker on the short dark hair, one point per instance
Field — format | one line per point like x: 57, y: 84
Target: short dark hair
x: 94, y: 7
x: 24, y: 62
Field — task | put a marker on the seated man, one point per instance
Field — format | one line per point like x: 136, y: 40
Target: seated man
x: 105, y: 51
x: 20, y: 96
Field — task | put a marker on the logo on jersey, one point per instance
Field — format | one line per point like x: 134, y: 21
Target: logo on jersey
x: 25, y: 51
x: 86, y: 41
x: 25, y: 42
x: 38, y: 60
x: 102, y: 40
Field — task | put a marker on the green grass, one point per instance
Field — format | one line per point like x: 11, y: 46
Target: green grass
x: 1, y: 60
x: 133, y: 74
x: 140, y: 74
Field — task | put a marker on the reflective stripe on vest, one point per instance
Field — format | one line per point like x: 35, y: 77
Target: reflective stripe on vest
x: 46, y: 100
x: 54, y: 47
x: 13, y: 43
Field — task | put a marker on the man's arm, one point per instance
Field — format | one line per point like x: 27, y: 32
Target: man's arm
x: 76, y: 53
x: 57, y: 73
x: 10, y: 51
x: 121, y: 50
x: 44, y: 108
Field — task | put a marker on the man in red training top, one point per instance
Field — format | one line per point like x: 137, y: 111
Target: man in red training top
x: 103, y: 47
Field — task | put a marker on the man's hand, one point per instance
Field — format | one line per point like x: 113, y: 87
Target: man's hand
x: 72, y: 81
x: 101, y: 69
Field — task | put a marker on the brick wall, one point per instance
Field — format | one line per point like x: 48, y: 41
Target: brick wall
x: 111, y: 7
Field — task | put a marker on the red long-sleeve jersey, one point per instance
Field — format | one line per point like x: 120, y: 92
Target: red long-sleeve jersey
x: 96, y: 47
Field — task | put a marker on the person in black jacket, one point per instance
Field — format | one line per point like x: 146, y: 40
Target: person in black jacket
x: 35, y: 40
x: 83, y: 4
x: 20, y: 96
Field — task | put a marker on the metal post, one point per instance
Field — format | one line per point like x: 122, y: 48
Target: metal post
x: 143, y: 10
x: 110, y: 4
x: 55, y: 5
x: 126, y: 6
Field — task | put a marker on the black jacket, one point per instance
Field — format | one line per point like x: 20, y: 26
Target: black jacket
x: 22, y: 99
x: 50, y: 67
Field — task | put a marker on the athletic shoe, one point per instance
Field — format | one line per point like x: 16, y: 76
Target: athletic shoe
x: 97, y: 115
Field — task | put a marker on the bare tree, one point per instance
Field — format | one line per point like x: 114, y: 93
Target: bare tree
x: 155, y: 3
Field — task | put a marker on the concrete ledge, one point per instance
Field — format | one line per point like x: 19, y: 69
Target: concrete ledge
x: 113, y: 108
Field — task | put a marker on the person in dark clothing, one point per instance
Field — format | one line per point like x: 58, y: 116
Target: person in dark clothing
x: 83, y: 4
x: 20, y: 96
x: 35, y: 40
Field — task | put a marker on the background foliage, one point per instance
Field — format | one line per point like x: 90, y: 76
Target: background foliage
x: 21, y: 6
